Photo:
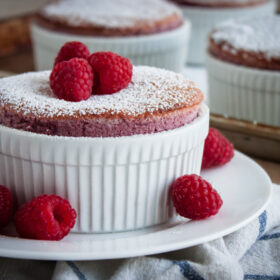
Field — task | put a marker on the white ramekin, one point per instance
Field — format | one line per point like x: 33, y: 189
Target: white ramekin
x: 164, y: 50
x: 115, y: 184
x: 203, y: 21
x: 243, y: 92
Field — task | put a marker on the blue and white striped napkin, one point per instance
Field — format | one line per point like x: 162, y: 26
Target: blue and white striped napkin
x: 253, y: 252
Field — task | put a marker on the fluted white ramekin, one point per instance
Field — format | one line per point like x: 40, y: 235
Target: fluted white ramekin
x: 203, y: 21
x: 243, y: 92
x: 115, y: 184
x: 164, y: 50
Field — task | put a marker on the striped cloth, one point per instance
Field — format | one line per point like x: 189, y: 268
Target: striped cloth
x: 252, y: 252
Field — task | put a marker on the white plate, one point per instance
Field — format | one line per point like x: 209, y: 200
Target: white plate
x: 243, y: 185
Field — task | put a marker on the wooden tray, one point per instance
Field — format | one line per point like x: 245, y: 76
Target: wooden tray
x: 258, y: 140
x: 19, y: 62
x: 4, y: 74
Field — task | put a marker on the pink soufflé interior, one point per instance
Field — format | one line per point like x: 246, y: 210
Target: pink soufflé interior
x: 101, y: 127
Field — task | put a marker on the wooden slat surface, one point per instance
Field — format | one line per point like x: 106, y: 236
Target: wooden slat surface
x: 248, y: 128
x: 257, y: 140
x: 18, y: 63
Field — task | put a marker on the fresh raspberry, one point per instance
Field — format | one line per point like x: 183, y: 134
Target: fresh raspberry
x: 6, y: 206
x: 72, y: 80
x: 70, y: 50
x: 194, y: 198
x: 217, y: 149
x: 111, y: 72
x: 46, y: 217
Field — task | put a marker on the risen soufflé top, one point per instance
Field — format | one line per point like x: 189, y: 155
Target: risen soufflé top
x: 155, y: 100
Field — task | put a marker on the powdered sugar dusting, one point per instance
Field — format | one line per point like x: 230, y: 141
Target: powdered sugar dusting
x: 257, y: 34
x: 151, y: 90
x: 109, y: 13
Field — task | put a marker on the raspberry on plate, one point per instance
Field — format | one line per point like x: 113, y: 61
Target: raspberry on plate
x: 112, y: 72
x: 46, y: 217
x: 217, y: 149
x: 70, y: 50
x: 194, y: 198
x: 72, y: 80
x: 6, y: 206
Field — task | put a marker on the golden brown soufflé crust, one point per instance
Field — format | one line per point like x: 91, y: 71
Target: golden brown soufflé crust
x: 252, y: 42
x: 112, y: 18
x: 140, y: 28
x: 242, y: 57
x: 220, y: 4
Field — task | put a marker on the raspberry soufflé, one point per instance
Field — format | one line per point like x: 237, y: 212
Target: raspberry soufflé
x: 251, y: 42
x: 110, y: 17
x: 206, y: 14
x: 155, y: 100
x: 243, y: 64
x: 148, y: 32
x: 107, y: 136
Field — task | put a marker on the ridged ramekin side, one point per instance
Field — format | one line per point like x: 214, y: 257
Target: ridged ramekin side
x: 115, y: 184
x: 164, y: 50
x: 243, y: 92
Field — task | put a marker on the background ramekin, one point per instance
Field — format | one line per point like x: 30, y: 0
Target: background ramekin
x: 115, y: 184
x: 164, y: 50
x: 243, y: 92
x: 203, y: 21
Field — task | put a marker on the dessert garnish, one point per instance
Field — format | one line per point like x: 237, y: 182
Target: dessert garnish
x: 72, y: 80
x: 194, y: 198
x: 70, y: 50
x: 6, y: 206
x: 217, y: 149
x: 77, y: 74
x: 46, y: 217
x: 112, y: 72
